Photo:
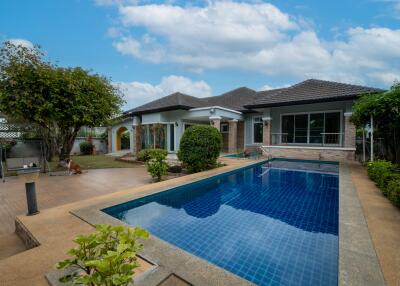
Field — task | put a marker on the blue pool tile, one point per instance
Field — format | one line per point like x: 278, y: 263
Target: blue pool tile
x: 272, y: 228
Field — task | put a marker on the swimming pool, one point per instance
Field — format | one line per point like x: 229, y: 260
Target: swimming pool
x: 273, y: 224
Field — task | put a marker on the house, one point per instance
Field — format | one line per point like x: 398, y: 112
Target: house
x: 310, y: 120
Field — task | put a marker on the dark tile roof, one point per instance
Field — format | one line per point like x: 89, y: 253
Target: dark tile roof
x: 173, y: 101
x: 310, y: 91
x: 245, y: 99
x: 235, y: 99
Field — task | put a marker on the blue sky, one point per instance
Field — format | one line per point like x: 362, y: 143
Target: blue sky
x: 203, y: 48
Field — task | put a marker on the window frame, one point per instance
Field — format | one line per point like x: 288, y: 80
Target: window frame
x: 252, y: 128
x: 222, y: 125
x: 308, y: 126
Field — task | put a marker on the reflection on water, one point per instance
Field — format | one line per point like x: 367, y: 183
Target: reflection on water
x: 267, y: 224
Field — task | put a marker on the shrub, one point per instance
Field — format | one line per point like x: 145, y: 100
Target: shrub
x: 380, y: 172
x: 156, y: 166
x: 199, y: 147
x: 146, y: 154
x: 86, y: 148
x: 106, y: 257
x: 394, y: 191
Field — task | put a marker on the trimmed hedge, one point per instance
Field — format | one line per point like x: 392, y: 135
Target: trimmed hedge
x: 394, y: 191
x: 86, y: 148
x: 146, y: 154
x: 387, y: 178
x: 199, y: 148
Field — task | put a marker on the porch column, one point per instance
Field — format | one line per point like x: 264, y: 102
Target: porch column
x: 216, y: 122
x: 267, y: 127
x: 349, y: 131
x: 138, y: 138
x: 109, y: 139
x: 232, y: 137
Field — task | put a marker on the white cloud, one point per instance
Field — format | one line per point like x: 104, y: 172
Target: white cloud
x: 269, y: 87
x: 21, y: 42
x: 137, y: 93
x: 257, y: 37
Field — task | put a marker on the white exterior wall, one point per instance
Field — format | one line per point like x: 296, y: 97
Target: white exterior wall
x: 128, y: 125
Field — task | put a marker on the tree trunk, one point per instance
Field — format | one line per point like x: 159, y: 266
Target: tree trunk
x: 49, y: 143
x: 66, y: 140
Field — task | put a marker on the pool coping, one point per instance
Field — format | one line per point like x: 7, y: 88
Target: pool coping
x: 358, y: 262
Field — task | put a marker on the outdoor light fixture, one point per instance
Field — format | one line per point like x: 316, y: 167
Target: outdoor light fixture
x: 30, y: 174
x: 176, y: 123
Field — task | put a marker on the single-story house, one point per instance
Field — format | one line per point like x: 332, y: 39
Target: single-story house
x: 310, y: 119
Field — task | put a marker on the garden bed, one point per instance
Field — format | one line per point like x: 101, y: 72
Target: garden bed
x: 387, y: 177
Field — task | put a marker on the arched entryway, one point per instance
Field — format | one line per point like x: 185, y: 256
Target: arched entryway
x: 123, y: 139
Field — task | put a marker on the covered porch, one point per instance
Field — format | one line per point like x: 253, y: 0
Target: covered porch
x: 312, y: 131
x: 164, y: 130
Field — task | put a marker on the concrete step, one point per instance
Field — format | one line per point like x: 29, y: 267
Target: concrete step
x: 10, y: 244
x: 119, y: 153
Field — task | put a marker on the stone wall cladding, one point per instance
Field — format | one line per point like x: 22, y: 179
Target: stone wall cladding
x: 138, y: 139
x: 349, y: 133
x: 232, y: 137
x: 240, y: 135
x: 311, y: 154
x: 252, y: 148
x: 225, y: 143
x: 267, y: 127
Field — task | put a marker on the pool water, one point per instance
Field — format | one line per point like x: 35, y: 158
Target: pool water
x: 273, y: 224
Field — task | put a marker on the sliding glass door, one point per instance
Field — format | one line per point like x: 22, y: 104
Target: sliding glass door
x: 322, y: 128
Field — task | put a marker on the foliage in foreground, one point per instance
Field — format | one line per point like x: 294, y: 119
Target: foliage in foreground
x: 156, y: 165
x: 199, y: 148
x: 57, y: 100
x: 106, y: 257
x: 387, y: 178
x: 385, y: 109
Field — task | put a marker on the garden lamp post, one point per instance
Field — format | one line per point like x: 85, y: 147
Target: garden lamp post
x: 30, y: 175
x: 372, y: 138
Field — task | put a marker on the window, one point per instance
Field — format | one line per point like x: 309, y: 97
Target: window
x: 257, y: 130
x: 224, y: 127
x: 316, y: 127
x: 311, y: 128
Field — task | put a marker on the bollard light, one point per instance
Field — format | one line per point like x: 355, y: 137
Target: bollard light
x: 30, y: 175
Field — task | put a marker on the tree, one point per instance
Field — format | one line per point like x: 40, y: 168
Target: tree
x: 385, y: 109
x: 58, y: 100
x: 199, y: 147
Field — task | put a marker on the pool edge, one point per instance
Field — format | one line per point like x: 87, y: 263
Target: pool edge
x: 358, y: 263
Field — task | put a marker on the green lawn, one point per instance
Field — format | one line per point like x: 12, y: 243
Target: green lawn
x: 94, y: 162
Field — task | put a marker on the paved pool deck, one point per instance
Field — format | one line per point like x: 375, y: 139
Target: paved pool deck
x: 55, y: 227
x: 53, y: 191
x: 383, y: 220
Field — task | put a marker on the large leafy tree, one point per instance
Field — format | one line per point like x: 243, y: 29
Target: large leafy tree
x: 385, y: 109
x: 58, y: 100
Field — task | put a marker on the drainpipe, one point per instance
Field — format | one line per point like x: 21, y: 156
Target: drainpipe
x: 372, y: 138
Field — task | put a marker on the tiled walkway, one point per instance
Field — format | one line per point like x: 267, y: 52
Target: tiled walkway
x: 383, y: 221
x: 53, y: 191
